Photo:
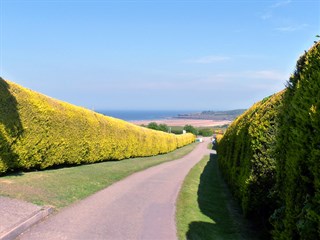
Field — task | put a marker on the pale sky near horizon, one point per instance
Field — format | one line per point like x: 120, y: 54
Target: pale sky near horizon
x: 155, y: 55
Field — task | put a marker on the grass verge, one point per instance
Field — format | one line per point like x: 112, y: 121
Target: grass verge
x: 205, y: 209
x: 61, y: 187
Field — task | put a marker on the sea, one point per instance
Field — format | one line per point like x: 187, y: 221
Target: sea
x: 137, y: 115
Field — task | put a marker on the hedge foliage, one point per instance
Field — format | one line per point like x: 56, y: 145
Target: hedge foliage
x: 38, y: 132
x: 298, y: 153
x: 270, y: 155
x: 246, y: 160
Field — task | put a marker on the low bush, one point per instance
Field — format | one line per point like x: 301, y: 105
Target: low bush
x: 205, y: 132
x: 176, y: 131
x: 161, y: 127
x: 190, y: 129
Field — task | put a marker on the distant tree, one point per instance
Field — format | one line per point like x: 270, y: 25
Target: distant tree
x: 175, y: 131
x: 163, y: 127
x: 206, y: 132
x: 191, y: 129
x: 160, y: 127
x: 153, y: 125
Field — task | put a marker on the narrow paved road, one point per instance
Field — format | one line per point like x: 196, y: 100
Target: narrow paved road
x: 142, y: 206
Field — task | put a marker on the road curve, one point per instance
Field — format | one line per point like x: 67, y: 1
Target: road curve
x: 142, y: 206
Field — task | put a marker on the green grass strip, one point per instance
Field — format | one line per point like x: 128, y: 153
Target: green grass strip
x: 61, y: 187
x: 205, y: 209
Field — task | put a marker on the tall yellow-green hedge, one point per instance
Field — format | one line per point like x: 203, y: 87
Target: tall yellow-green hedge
x: 37, y: 131
x: 246, y: 158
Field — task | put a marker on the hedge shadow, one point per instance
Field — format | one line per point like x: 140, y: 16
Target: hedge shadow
x: 10, y: 127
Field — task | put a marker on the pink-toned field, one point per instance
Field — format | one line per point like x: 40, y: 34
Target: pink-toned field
x: 182, y: 122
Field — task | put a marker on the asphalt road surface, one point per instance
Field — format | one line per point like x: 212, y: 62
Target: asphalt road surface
x: 142, y: 206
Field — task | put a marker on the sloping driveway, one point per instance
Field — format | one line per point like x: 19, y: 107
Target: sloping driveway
x: 142, y: 206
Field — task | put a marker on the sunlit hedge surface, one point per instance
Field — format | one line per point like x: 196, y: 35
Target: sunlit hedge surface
x: 270, y: 156
x: 38, y: 132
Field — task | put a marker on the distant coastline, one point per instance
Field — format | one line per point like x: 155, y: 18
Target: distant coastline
x: 176, y: 122
x: 176, y: 118
x: 142, y: 115
x: 154, y: 115
x: 229, y: 115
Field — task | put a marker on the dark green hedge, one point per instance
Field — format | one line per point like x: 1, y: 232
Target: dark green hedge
x: 298, y: 148
x: 270, y: 156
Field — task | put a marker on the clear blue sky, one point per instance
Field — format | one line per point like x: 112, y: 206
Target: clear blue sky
x: 175, y: 55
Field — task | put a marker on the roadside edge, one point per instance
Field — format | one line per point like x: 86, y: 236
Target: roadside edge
x: 26, y: 223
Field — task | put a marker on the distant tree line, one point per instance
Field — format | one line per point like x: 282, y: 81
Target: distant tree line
x: 160, y: 127
x: 205, y: 132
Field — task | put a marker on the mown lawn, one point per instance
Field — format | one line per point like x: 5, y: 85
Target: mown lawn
x: 205, y: 209
x: 61, y: 187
